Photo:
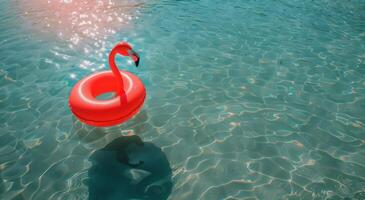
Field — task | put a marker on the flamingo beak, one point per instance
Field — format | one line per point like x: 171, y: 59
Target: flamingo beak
x: 135, y: 57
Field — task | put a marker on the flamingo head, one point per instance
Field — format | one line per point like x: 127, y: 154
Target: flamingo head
x: 125, y: 49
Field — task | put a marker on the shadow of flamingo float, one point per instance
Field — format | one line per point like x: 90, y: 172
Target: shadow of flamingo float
x: 128, y: 88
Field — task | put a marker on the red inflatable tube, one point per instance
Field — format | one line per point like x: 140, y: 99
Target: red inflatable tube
x: 129, y: 89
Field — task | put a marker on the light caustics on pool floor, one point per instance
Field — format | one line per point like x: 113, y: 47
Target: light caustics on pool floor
x: 246, y: 100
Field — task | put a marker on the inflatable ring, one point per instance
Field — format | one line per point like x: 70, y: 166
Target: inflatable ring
x: 129, y: 93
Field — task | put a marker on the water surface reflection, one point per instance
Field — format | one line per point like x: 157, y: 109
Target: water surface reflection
x: 80, y: 21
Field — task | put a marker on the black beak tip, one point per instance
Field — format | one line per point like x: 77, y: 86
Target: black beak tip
x: 136, y: 62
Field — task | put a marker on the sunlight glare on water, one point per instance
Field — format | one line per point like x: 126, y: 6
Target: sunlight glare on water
x: 80, y: 21
x: 83, y: 25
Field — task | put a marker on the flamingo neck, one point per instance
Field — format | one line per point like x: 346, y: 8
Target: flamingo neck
x: 116, y: 72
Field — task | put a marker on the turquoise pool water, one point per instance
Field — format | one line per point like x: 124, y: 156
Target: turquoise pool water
x: 246, y: 100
